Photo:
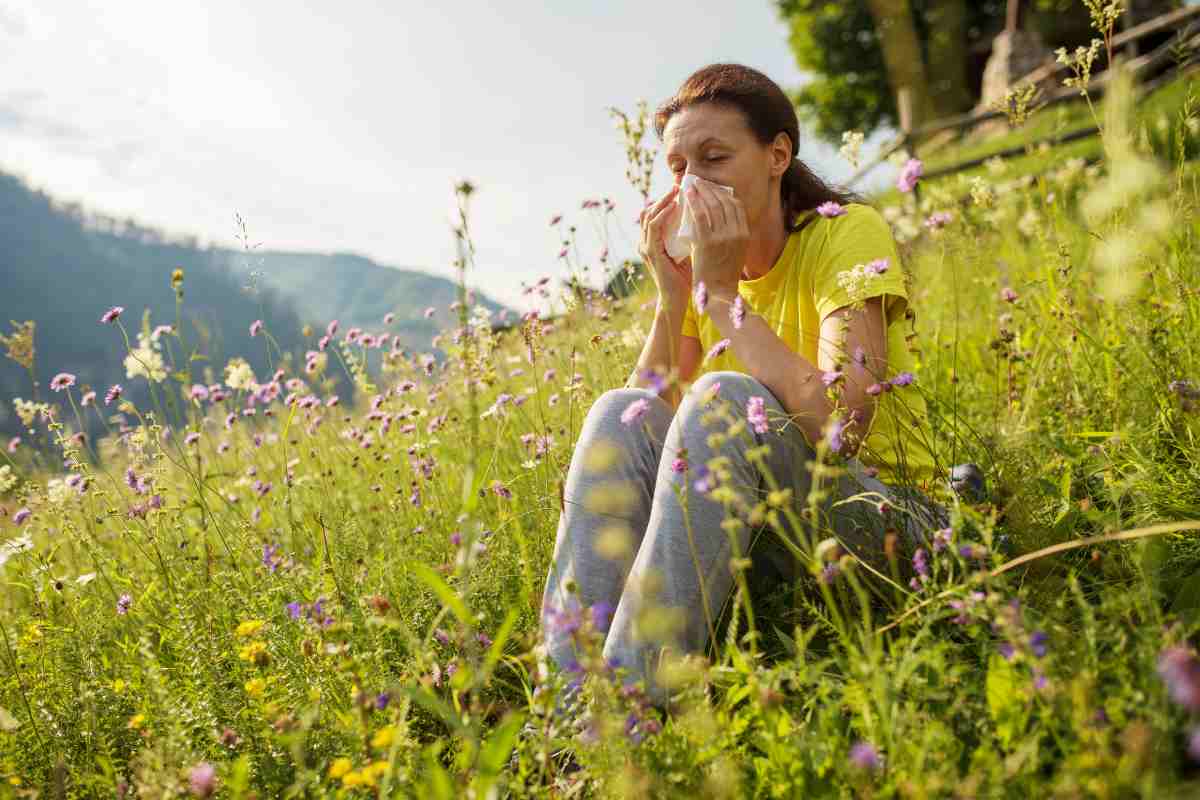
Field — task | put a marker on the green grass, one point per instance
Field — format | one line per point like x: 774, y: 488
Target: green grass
x: 339, y: 632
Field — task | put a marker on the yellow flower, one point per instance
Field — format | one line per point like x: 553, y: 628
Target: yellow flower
x: 362, y: 778
x: 250, y: 627
x: 383, y: 737
x: 376, y: 769
x: 339, y: 767
x: 14, y: 780
x: 136, y: 721
x: 255, y: 687
x: 254, y: 652
x: 118, y: 685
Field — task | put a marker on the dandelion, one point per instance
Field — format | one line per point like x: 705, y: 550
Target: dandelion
x: 717, y: 349
x: 202, y: 780
x: 123, y: 603
x: 63, y: 380
x: 635, y: 411
x: 701, y: 297
x: 110, y: 316
x: 831, y: 209
x: 756, y: 413
x: 909, y: 175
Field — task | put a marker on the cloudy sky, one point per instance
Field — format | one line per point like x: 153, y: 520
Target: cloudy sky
x: 343, y: 127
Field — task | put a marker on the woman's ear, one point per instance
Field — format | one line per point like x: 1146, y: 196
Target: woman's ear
x: 781, y: 154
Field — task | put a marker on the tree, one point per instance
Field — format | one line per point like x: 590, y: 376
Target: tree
x: 861, y: 51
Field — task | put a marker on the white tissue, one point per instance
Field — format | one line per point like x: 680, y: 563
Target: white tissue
x: 682, y: 229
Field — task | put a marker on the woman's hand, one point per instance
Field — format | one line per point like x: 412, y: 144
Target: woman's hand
x: 672, y: 278
x: 721, y: 240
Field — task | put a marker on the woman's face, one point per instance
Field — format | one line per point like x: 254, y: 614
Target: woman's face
x: 713, y: 142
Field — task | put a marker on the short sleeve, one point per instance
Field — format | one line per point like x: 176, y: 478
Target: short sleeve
x: 858, y: 237
x: 690, y: 326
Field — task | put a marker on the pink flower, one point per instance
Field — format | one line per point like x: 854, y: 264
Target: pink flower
x: 557, y: 218
x: 679, y: 466
x: 1006, y: 294
x: 878, y: 266
x: 331, y: 328
x: 429, y: 312
x: 111, y: 315
x: 62, y: 380
x: 635, y: 411
x: 88, y: 399
x: 389, y: 318
x: 701, y: 297
x: 756, y: 413
x: 256, y: 327
x: 831, y: 209
x: 909, y: 175
x: 14, y: 443
x: 202, y: 780
x: 191, y: 438
x: 938, y: 220
x: 737, y: 312
x: 718, y: 348
x: 114, y: 393
x: 832, y: 377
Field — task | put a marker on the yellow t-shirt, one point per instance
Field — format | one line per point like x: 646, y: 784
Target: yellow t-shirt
x: 801, y: 289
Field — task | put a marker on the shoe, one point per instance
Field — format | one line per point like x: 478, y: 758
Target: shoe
x: 968, y: 483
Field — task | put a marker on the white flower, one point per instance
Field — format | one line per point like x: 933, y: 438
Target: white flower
x: 238, y: 374
x: 981, y: 193
x: 851, y: 144
x: 57, y: 491
x: 1028, y: 223
x: 7, y: 479
x: 145, y: 361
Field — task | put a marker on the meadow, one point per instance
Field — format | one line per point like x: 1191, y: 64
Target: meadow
x: 254, y: 587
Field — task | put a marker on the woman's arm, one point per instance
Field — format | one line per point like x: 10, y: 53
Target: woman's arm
x: 667, y: 347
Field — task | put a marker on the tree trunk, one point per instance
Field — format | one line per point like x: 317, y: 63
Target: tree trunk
x: 902, y: 54
x: 948, y: 90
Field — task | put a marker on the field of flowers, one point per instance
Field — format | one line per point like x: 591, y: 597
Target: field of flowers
x: 255, y: 588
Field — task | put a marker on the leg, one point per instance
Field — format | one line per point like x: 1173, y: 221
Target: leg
x: 596, y: 579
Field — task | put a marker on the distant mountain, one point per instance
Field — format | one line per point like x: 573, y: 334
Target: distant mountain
x: 62, y: 267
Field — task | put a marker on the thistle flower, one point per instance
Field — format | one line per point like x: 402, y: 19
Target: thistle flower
x: 62, y: 380
x: 110, y: 316
x: 756, y: 414
x: 701, y: 297
x: 635, y: 411
x: 909, y: 175
x: 737, y: 312
x: 831, y: 209
x: 717, y: 349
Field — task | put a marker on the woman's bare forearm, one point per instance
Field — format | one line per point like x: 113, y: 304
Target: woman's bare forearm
x: 661, y: 351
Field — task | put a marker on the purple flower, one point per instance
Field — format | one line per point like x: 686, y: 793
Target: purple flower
x: 1007, y: 650
x: 718, y: 348
x: 909, y: 175
x: 973, y: 551
x: 500, y: 490
x: 114, y: 392
x: 602, y: 614
x: 864, y: 756
x: 829, y: 573
x: 737, y: 312
x: 1180, y: 670
x: 1008, y: 295
x: 635, y: 411
x: 483, y: 639
x: 63, y: 380
x: 456, y: 538
x: 202, y: 780
x: 920, y: 561
x: 679, y: 466
x: 834, y: 435
x: 657, y: 382
x: 261, y: 488
x: 756, y: 413
x: 832, y: 377
x: 701, y: 297
x: 123, y: 603
x: 706, y: 481
x: 877, y: 267
x: 191, y: 438
x: 294, y: 609
x: 874, y: 390
x: 903, y: 379
x: 831, y: 209
x: 383, y: 698
x: 110, y: 316
x: 271, y: 557
x: 1037, y: 643
x: 441, y: 636
x: 20, y: 515
x: 938, y: 220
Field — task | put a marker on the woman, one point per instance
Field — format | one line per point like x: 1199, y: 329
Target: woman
x: 797, y: 318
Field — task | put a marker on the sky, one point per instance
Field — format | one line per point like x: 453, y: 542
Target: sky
x: 345, y: 127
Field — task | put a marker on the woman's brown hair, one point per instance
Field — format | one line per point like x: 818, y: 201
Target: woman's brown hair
x: 767, y: 111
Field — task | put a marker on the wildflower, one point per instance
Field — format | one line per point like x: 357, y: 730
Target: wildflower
x: 483, y: 639
x: 864, y: 756
x: 261, y: 489
x: 382, y: 700
x: 1008, y: 295
x: 249, y: 627
x: 875, y: 389
x: 938, y: 220
x: 706, y: 480
x: 202, y: 780
x: 14, y: 443
x: 877, y: 267
x: 737, y: 312
x: 909, y: 175
x: 429, y: 312
x: 903, y: 379
x: 340, y: 767
x: 920, y: 561
x: 191, y: 438
x: 973, y: 551
x: 294, y: 609
x: 756, y: 413
x: 831, y: 209
x: 718, y: 348
x: 635, y: 411
x: 389, y: 318
x: 834, y: 435
x: 701, y: 297
x: 62, y: 380
x: 829, y: 573
x: 123, y: 603
x: 271, y: 557
x: 500, y: 490
x: 851, y: 143
x: 1180, y: 670
x: 679, y: 466
x: 238, y: 374
x: 89, y: 398
x: 383, y: 738
x: 832, y: 377
x: 20, y: 515
x: 146, y: 361
x: 110, y: 316
x: 255, y: 687
x: 1037, y: 643
x: 441, y: 636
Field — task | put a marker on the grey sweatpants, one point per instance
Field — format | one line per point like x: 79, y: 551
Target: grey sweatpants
x: 655, y: 558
